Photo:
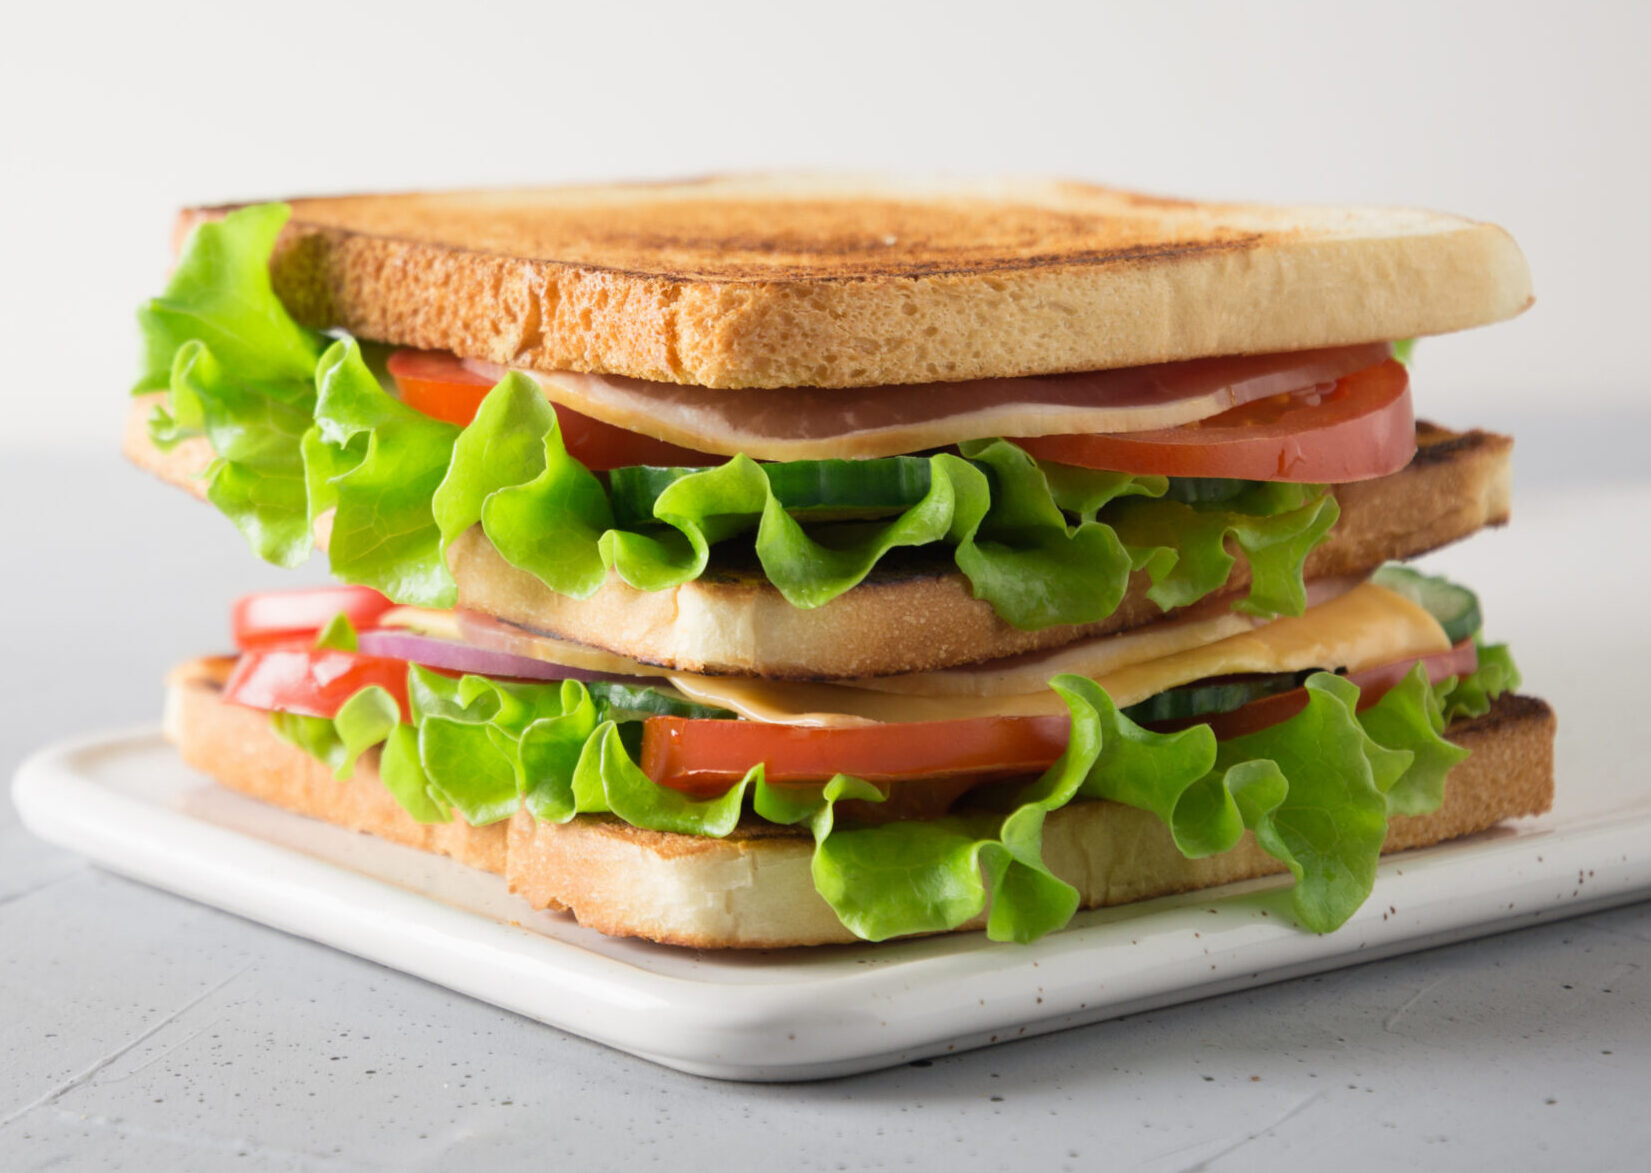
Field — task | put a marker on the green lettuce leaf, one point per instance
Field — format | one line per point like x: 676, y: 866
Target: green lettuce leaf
x: 1315, y: 790
x: 469, y: 735
x: 551, y: 748
x: 220, y: 297
x: 487, y: 746
x: 1471, y: 695
x: 1184, y: 547
x: 1411, y: 714
x: 1022, y: 556
x: 362, y: 721
x: 1330, y: 820
x: 504, y: 446
x: 338, y: 634
x: 384, y: 530
x: 607, y: 769
x: 405, y: 779
x: 257, y: 480
x: 240, y: 372
x: 906, y: 877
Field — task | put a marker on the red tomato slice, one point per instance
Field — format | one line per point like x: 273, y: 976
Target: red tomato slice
x: 276, y: 617
x: 315, y: 682
x: 1365, y: 427
x: 705, y: 757
x: 1461, y: 660
x: 440, y: 385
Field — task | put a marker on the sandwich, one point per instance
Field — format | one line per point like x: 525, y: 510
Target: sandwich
x: 773, y: 561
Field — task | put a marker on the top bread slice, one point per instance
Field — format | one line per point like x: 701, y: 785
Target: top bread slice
x: 785, y: 281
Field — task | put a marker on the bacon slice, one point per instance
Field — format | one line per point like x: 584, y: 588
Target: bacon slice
x: 812, y: 423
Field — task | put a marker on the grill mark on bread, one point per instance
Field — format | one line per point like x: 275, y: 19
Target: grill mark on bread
x: 301, y: 234
x: 1437, y: 445
x: 868, y: 255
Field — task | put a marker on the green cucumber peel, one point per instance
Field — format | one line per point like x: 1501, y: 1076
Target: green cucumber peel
x: 1453, y: 605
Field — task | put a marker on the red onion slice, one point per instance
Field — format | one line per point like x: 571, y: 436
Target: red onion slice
x: 462, y: 657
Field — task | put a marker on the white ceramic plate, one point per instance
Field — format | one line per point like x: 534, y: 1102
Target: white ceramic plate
x: 126, y: 801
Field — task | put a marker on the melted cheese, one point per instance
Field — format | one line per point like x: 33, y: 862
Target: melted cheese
x: 1094, y: 658
x: 1365, y: 627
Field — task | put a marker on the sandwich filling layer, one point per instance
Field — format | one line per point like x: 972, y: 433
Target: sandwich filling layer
x: 931, y: 802
x: 1298, y: 714
x: 303, y: 431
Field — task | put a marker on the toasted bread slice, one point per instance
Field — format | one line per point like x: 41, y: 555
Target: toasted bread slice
x: 916, y: 613
x: 753, y: 889
x: 784, y: 281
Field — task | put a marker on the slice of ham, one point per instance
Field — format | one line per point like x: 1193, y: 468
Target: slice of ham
x: 811, y: 423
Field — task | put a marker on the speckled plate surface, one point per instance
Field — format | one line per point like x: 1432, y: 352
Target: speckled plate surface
x: 125, y: 800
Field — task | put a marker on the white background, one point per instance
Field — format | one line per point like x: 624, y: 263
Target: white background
x: 1535, y: 116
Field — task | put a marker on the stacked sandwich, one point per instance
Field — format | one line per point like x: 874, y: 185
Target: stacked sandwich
x: 761, y: 562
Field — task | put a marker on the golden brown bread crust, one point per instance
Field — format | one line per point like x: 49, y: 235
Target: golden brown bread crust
x: 916, y: 614
x: 753, y: 889
x: 181, y: 465
x: 780, y: 281
x: 237, y: 747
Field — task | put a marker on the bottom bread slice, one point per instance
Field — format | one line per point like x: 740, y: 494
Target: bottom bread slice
x: 754, y: 888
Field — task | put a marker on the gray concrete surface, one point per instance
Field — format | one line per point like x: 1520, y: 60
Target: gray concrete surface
x: 141, y: 1031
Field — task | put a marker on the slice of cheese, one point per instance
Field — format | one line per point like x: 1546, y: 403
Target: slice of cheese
x: 1365, y: 627
x: 1094, y: 658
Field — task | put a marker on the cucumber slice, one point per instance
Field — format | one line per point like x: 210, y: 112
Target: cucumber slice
x: 1455, y: 607
x: 638, y: 702
x: 1204, y: 490
x: 1207, y: 697
x: 809, y: 488
x: 838, y: 490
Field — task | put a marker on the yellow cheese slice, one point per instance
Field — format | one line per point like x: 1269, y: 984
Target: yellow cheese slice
x: 1094, y: 658
x: 1367, y: 626
x: 423, y: 621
